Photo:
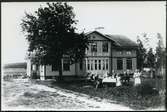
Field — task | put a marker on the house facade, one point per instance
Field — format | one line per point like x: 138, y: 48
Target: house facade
x: 105, y: 53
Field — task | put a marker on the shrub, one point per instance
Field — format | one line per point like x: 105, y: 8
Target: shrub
x: 34, y: 76
x: 146, y: 89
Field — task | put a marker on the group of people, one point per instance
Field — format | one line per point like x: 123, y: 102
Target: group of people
x: 120, y: 78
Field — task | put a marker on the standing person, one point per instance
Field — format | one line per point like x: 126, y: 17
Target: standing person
x: 128, y: 76
x: 118, y: 80
x: 97, y: 81
x: 136, y: 76
x: 113, y: 74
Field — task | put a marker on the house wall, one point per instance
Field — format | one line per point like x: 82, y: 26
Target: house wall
x: 99, y: 40
x: 116, y: 53
x: 42, y: 72
x: 124, y: 55
x: 49, y: 71
x: 28, y: 67
x: 99, y: 55
x: 80, y: 72
x: 14, y: 71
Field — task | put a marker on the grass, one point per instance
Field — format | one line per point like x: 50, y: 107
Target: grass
x: 150, y: 94
x: 139, y: 97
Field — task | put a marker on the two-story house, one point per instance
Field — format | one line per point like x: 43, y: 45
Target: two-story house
x: 105, y: 53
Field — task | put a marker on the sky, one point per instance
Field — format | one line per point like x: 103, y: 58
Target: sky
x: 125, y: 18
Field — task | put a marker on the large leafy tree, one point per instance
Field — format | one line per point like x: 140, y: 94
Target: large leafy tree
x: 141, y: 54
x: 51, y: 34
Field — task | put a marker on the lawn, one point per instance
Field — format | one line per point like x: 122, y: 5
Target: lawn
x: 150, y: 94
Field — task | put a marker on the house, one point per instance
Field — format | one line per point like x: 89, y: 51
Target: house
x: 105, y: 53
x: 17, y: 69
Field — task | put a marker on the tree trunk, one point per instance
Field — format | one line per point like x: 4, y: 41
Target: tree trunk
x: 60, y: 78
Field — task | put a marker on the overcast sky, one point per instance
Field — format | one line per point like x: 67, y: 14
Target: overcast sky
x: 125, y: 18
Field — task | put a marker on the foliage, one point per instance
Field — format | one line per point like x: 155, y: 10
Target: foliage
x: 160, y: 53
x: 141, y: 54
x: 51, y: 35
x: 150, y: 59
x: 34, y: 75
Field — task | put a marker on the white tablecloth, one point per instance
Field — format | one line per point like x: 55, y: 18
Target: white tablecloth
x: 108, y: 79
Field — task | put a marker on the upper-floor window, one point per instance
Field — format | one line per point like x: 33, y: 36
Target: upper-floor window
x: 128, y: 52
x: 105, y: 46
x: 119, y: 52
x: 94, y: 47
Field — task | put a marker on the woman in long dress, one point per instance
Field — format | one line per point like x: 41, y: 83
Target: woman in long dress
x: 137, y: 75
x: 118, y: 80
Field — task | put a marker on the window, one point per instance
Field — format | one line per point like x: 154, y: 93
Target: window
x: 106, y: 64
x: 128, y: 52
x: 105, y: 46
x: 81, y: 65
x: 119, y: 64
x: 119, y: 52
x: 88, y: 65
x: 103, y: 64
x: 99, y: 64
x: 91, y: 64
x: 95, y: 64
x: 66, y: 65
x: 129, y: 63
x: 94, y: 47
x: 54, y: 68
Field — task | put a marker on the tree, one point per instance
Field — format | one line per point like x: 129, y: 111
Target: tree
x: 141, y: 54
x: 51, y: 34
x: 159, y: 52
x: 160, y: 55
x: 150, y: 59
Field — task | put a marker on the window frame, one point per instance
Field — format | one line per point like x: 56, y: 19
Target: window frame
x: 81, y: 65
x: 119, y: 67
x: 95, y: 64
x: 99, y: 64
x: 66, y: 62
x: 105, y: 46
x: 129, y: 65
x: 128, y: 52
x: 107, y: 63
x: 55, y: 68
x: 94, y: 47
x: 88, y: 63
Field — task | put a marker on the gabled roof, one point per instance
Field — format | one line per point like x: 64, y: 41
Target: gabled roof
x: 122, y: 40
x: 16, y: 65
x: 119, y: 40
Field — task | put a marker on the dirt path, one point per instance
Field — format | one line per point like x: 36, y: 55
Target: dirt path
x: 22, y: 94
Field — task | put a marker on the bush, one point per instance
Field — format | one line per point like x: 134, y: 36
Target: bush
x: 146, y: 89
x: 34, y: 76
